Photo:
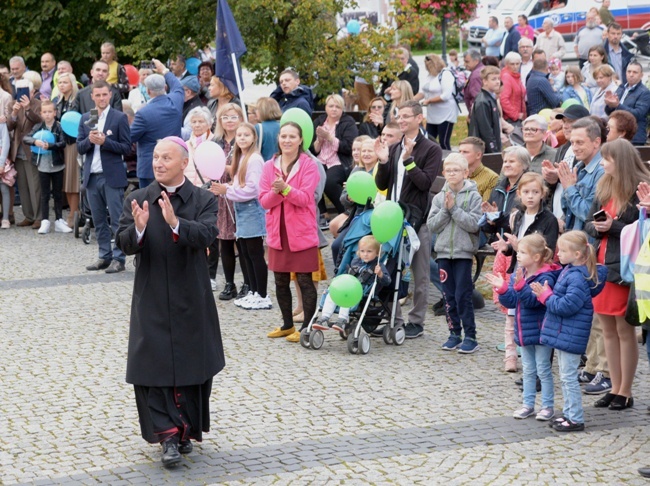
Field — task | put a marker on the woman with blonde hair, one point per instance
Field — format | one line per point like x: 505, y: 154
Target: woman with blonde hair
x: 400, y: 91
x: 68, y: 90
x: 438, y: 91
x: 268, y: 127
x: 219, y: 96
x: 614, y: 207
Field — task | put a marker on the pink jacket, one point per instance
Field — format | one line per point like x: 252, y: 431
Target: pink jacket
x: 299, y: 207
x: 513, y: 95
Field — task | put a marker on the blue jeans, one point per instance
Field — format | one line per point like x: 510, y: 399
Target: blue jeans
x: 568, y: 364
x: 142, y: 182
x: 457, y: 287
x: 105, y: 201
x: 536, y: 361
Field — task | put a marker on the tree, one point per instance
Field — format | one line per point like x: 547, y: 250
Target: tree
x: 69, y: 29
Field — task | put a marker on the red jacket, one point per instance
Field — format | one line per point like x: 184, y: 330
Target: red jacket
x: 513, y: 95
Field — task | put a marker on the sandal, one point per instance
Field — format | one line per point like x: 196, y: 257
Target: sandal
x: 568, y: 426
x: 621, y: 403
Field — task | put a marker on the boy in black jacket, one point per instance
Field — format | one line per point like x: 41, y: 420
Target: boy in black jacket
x: 50, y: 163
x: 484, y: 121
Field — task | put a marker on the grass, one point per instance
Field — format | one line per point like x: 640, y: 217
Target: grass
x: 460, y: 131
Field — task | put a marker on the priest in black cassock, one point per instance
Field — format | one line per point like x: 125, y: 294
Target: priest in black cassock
x: 175, y: 344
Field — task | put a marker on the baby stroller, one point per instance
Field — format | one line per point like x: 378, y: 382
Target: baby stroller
x: 375, y: 308
x: 83, y: 220
x: 639, y: 45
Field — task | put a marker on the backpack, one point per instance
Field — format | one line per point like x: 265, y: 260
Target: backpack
x: 460, y: 80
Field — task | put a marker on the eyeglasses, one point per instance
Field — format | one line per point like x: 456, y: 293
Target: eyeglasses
x: 230, y: 118
x: 532, y: 130
x: 377, y: 107
x: 452, y: 171
x: 403, y: 117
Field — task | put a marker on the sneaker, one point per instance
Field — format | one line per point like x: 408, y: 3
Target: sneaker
x: 60, y: 226
x: 213, y: 284
x: 44, y: 228
x: 413, y: 331
x: 511, y: 364
x: 452, y: 343
x: 322, y: 324
x: 524, y: 412
x: 339, y: 326
x: 259, y: 303
x: 241, y: 301
x: 585, y: 377
x: 545, y: 414
x: 5, y: 224
x: 468, y: 346
x: 600, y: 384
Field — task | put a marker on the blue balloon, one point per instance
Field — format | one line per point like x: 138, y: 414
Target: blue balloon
x: 192, y: 65
x: 354, y: 27
x: 70, y: 123
x: 45, y: 136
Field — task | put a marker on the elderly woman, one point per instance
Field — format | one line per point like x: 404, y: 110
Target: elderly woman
x: 68, y: 90
x: 287, y: 190
x: 335, y: 133
x: 513, y: 93
x: 621, y: 124
x: 268, y: 127
x: 206, y: 71
x: 605, y: 82
x: 138, y: 96
x: 534, y: 131
x: 574, y: 88
x: 442, y: 109
x: 597, y: 57
x: 200, y: 122
x: 373, y: 122
x: 219, y: 96
x: 116, y: 72
x: 399, y: 92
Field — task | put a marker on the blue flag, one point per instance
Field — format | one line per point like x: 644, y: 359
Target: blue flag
x: 229, y: 41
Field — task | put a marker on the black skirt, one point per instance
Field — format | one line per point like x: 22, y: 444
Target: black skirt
x: 167, y: 411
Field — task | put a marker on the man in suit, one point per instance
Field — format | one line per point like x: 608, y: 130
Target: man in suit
x: 104, y: 144
x: 633, y: 97
x: 512, y: 38
x: 84, y: 102
x: 159, y: 118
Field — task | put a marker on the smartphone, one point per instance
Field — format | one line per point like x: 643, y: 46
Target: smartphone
x: 22, y: 89
x: 600, y: 215
x: 94, y: 112
x: 147, y: 65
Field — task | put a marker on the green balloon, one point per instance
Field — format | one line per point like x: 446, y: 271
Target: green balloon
x: 569, y: 102
x: 361, y: 186
x: 346, y: 291
x: 302, y: 118
x: 386, y: 221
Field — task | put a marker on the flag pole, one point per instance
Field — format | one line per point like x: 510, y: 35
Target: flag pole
x: 239, y: 86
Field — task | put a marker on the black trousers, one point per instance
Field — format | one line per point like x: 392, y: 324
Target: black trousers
x: 336, y: 176
x: 252, y: 252
x: 51, y: 183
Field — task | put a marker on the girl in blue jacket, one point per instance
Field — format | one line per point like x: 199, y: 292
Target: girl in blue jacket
x: 536, y: 265
x: 569, y: 312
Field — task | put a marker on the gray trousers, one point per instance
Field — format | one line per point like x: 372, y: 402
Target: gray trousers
x: 419, y: 280
x: 29, y: 185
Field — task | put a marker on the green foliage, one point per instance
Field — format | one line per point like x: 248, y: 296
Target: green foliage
x: 452, y: 10
x: 423, y: 33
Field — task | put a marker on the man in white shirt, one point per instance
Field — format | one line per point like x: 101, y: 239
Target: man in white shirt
x: 550, y: 41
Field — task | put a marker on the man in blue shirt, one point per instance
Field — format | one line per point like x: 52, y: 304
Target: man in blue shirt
x: 493, y: 38
x: 539, y: 90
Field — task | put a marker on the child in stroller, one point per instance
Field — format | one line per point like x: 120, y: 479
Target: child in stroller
x: 364, y: 266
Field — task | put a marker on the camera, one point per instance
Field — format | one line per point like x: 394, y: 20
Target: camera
x: 147, y: 65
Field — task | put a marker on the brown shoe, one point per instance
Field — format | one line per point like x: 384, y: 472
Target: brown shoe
x: 27, y: 222
x: 12, y: 219
x: 36, y: 224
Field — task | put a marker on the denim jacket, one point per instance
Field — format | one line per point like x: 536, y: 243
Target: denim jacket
x: 577, y: 199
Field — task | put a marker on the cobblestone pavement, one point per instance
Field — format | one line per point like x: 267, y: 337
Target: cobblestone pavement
x: 281, y: 414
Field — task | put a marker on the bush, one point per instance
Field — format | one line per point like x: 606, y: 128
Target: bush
x: 423, y: 34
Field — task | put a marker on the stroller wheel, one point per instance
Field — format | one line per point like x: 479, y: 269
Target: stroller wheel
x: 76, y: 218
x: 353, y: 344
x: 304, y: 338
x: 364, y: 343
x: 316, y: 339
x: 85, y: 235
x: 398, y: 335
x: 388, y: 339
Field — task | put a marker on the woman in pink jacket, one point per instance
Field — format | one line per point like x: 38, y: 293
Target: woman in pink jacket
x: 287, y: 189
x: 513, y: 94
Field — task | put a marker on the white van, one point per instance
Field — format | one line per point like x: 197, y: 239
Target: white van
x: 633, y: 15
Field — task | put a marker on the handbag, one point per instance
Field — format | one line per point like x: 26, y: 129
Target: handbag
x: 632, y: 237
x: 8, y: 176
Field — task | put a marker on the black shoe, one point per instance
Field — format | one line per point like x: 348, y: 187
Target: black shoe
x: 115, y: 267
x: 170, y: 455
x: 413, y: 331
x: 567, y: 426
x: 605, y: 401
x: 645, y: 472
x: 438, y: 305
x: 98, y: 265
x: 185, y: 446
x: 519, y: 382
x: 229, y: 292
x: 243, y: 291
x: 621, y: 403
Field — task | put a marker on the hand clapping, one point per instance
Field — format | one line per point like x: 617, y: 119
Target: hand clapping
x: 140, y: 215
x: 494, y: 280
x: 278, y: 185
x: 537, y: 288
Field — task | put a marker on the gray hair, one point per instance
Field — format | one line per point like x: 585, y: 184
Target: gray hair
x: 512, y: 56
x: 474, y: 54
x: 540, y: 120
x: 17, y: 59
x: 521, y: 154
x: 155, y: 84
x: 548, y: 20
x: 524, y: 40
x: 202, y: 111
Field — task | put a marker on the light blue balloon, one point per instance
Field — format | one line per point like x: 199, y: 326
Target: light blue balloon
x: 192, y: 65
x: 45, y: 136
x: 70, y: 123
x: 354, y: 27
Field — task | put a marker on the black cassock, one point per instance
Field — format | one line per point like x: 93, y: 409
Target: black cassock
x: 175, y: 344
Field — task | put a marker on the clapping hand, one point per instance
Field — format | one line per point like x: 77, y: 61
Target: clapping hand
x: 408, y: 147
x: 519, y: 274
x: 381, y: 149
x: 140, y: 215
x: 643, y: 193
x: 278, y: 185
x: 512, y: 241
x: 567, y: 176
x: 450, y: 200
x: 495, y: 280
x: 500, y: 245
x: 538, y: 289
x: 611, y: 99
x: 488, y: 207
x: 376, y: 118
x: 549, y: 172
x: 167, y: 210
x: 323, y: 134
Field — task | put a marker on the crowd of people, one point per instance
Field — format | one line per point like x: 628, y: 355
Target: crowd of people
x: 570, y: 181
